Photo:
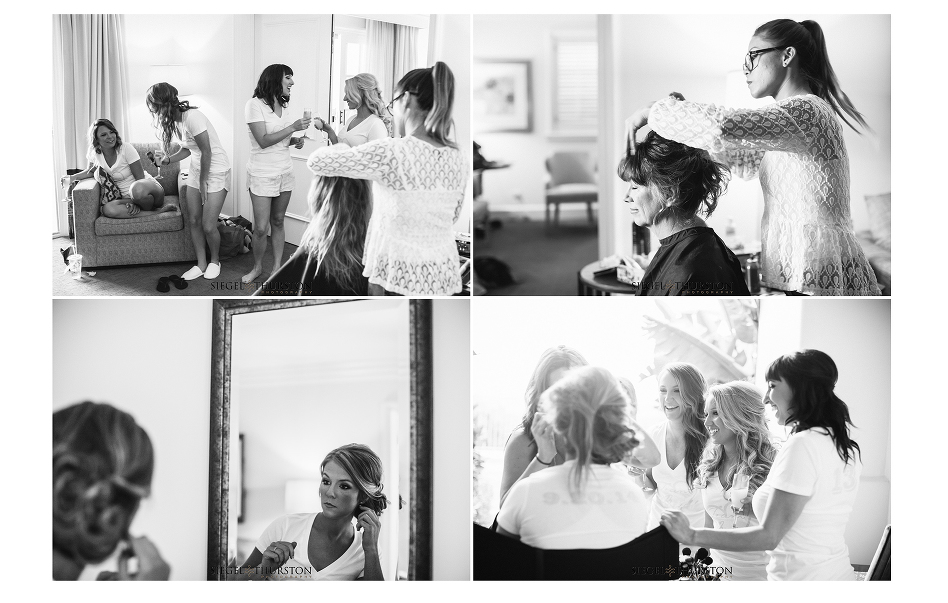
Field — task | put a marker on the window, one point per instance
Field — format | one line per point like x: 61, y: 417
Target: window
x: 575, y: 71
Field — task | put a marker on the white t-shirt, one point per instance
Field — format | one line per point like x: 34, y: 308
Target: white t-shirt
x: 275, y: 159
x: 747, y: 565
x: 296, y: 528
x: 193, y: 122
x: 815, y: 547
x: 609, y: 511
x: 371, y: 128
x: 121, y: 170
x: 673, y: 492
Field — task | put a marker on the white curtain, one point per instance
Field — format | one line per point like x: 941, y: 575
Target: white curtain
x: 406, y: 52
x: 380, y: 43
x: 90, y: 80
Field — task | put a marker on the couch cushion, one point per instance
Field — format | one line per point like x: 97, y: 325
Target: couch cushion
x: 169, y: 173
x: 880, y: 219
x: 168, y: 221
x: 566, y: 193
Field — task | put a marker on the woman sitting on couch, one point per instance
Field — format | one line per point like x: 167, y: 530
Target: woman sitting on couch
x: 141, y: 194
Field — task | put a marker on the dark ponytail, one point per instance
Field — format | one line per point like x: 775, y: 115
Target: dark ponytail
x: 433, y: 89
x: 808, y: 40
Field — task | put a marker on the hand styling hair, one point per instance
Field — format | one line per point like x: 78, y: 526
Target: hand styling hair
x: 164, y: 105
x: 687, y: 179
x: 433, y: 89
x: 102, y: 468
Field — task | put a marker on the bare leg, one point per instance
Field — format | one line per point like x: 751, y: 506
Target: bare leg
x: 127, y: 208
x: 261, y: 215
x: 148, y: 195
x: 212, y: 210
x: 277, y: 233
x: 195, y: 213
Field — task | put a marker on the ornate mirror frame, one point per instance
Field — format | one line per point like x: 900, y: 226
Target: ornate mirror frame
x: 421, y: 406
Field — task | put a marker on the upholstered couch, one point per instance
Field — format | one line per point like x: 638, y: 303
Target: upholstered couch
x: 164, y: 237
x: 877, y: 241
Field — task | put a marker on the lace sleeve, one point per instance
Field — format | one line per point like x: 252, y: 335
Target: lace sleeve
x: 743, y: 163
x: 782, y: 126
x: 371, y: 161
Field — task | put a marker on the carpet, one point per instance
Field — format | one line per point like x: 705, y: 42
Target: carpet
x: 543, y: 261
x: 142, y: 279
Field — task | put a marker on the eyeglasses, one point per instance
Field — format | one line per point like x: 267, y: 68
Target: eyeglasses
x: 750, y: 59
x: 392, y: 104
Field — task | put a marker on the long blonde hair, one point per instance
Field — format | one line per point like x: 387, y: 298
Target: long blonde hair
x: 166, y: 108
x: 335, y: 237
x: 433, y: 89
x: 693, y: 387
x: 365, y: 88
x: 593, y: 414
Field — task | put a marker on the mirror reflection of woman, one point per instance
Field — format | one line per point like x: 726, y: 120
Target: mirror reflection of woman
x: 418, y: 189
x: 372, y: 120
x: 102, y: 469
x: 796, y: 147
x: 208, y: 174
x: 270, y: 169
x: 142, y: 195
x: 671, y: 186
x: 808, y: 496
x: 562, y: 507
x: 739, y: 444
x: 680, y: 439
x: 340, y: 542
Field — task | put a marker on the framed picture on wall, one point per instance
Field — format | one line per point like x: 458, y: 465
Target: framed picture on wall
x: 502, y: 96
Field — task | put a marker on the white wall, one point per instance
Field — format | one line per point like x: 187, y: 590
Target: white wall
x: 857, y: 336
x: 205, y: 44
x: 452, y: 440
x: 527, y: 37
x: 153, y: 361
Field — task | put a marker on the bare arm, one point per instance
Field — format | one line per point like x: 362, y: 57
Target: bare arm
x: 259, y: 131
x: 137, y: 170
x: 253, y: 563
x: 322, y: 125
x: 520, y: 461
x: 203, y: 142
x: 373, y: 566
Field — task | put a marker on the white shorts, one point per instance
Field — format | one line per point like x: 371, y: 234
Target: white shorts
x: 271, y: 186
x: 216, y: 181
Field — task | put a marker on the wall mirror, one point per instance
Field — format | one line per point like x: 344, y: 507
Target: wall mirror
x: 292, y: 380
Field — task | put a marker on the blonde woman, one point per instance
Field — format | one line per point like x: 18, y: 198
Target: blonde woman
x: 739, y: 445
x: 590, y: 501
x: 680, y: 440
x: 208, y: 174
x: 372, y: 120
x: 418, y: 185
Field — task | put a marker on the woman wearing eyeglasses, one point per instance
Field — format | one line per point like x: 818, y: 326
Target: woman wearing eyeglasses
x: 796, y: 148
x: 417, y: 189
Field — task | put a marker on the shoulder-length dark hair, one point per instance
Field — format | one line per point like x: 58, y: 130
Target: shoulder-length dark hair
x: 102, y: 468
x: 811, y: 376
x: 270, y: 85
x: 552, y: 359
x: 166, y: 108
x: 365, y: 469
x: 688, y: 180
x: 807, y: 39
x: 433, y: 89
x: 693, y: 387
x: 94, y: 139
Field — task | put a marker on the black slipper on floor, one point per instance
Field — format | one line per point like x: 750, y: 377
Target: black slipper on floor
x: 163, y: 286
x: 178, y: 282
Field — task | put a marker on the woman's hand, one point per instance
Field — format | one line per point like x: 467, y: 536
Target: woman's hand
x: 133, y: 210
x: 370, y: 525
x: 203, y: 190
x: 150, y: 564
x: 297, y: 142
x: 301, y: 124
x: 542, y: 431
x: 319, y: 123
x: 277, y: 554
x: 678, y: 526
x: 64, y: 180
x: 637, y: 121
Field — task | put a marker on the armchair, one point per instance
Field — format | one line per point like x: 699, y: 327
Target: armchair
x: 153, y: 239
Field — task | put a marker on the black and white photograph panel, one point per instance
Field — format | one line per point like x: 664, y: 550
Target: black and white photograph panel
x: 278, y: 154
x: 712, y: 439
x: 311, y: 459
x: 736, y: 155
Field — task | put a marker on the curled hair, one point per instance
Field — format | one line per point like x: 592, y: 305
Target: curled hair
x: 164, y: 105
x: 335, y: 237
x: 365, y: 89
x: 811, y: 376
x: 93, y: 135
x: 551, y: 360
x: 687, y: 179
x: 433, y: 89
x: 593, y: 414
x: 807, y: 38
x: 365, y: 469
x: 270, y: 85
x: 102, y: 468
x: 630, y: 391
x: 692, y: 387
x: 741, y: 410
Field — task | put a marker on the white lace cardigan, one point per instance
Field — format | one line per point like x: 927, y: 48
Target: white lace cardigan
x: 417, y: 193
x: 796, y: 147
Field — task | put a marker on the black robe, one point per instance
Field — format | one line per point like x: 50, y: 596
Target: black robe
x: 299, y: 277
x: 694, y: 261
